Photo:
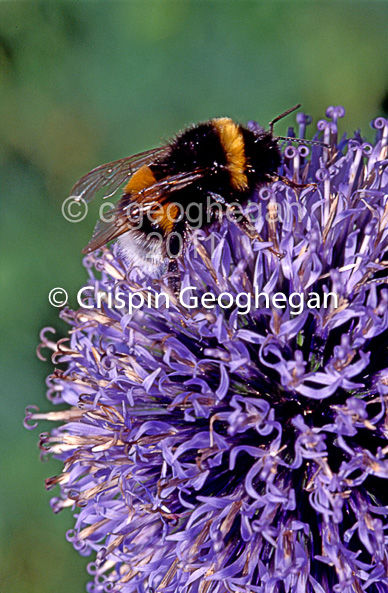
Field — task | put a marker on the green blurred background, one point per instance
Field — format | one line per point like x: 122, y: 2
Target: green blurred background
x: 87, y: 82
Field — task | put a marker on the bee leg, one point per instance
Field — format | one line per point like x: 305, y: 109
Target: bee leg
x: 247, y: 227
x: 243, y: 223
x: 174, y: 277
x: 292, y: 183
x: 219, y: 200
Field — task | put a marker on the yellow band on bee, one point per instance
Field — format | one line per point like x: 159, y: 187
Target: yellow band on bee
x: 232, y: 141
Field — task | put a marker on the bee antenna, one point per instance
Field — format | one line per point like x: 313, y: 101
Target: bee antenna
x: 302, y: 141
x: 279, y: 117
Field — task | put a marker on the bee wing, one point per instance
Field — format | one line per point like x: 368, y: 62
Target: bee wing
x: 107, y: 231
x: 154, y: 195
x: 113, y: 175
x: 160, y: 191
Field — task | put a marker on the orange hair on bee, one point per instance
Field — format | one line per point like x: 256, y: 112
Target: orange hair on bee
x: 143, y: 178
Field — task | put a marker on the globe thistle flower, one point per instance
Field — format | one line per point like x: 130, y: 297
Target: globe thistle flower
x: 207, y: 451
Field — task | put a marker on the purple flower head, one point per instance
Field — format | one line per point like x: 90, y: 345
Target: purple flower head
x: 205, y: 450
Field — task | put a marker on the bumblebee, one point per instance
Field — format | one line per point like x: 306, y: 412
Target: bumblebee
x: 219, y: 159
